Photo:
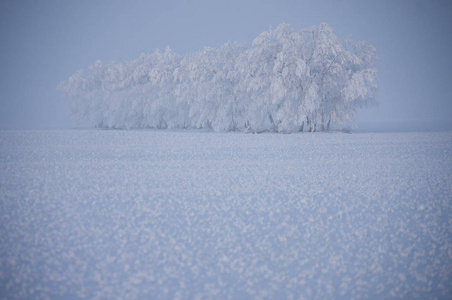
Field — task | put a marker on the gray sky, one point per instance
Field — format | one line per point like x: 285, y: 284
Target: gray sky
x: 44, y: 42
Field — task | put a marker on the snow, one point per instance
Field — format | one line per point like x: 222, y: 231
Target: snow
x: 103, y: 214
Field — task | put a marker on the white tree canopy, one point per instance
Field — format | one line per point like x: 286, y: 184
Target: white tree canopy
x: 285, y: 80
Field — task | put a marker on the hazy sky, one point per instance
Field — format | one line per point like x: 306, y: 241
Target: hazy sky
x: 44, y: 42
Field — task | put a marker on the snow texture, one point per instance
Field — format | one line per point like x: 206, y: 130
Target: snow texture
x: 102, y: 214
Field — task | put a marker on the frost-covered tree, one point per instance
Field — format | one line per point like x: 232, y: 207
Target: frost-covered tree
x: 337, y: 67
x: 285, y: 80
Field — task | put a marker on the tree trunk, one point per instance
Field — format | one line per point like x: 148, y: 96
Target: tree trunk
x: 271, y: 118
x: 272, y: 121
x: 232, y: 127
x: 322, y: 121
x: 328, y: 125
x: 309, y: 121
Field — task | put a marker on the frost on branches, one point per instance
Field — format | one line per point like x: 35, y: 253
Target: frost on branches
x: 287, y: 81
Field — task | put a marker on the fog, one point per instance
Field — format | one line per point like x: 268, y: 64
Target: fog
x: 43, y: 43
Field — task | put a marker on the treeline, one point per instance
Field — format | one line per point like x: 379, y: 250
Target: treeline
x: 287, y: 81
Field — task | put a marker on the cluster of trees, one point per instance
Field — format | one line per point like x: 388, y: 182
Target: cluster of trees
x: 287, y: 81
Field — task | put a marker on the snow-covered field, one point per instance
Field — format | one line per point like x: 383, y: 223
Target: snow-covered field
x: 199, y: 215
